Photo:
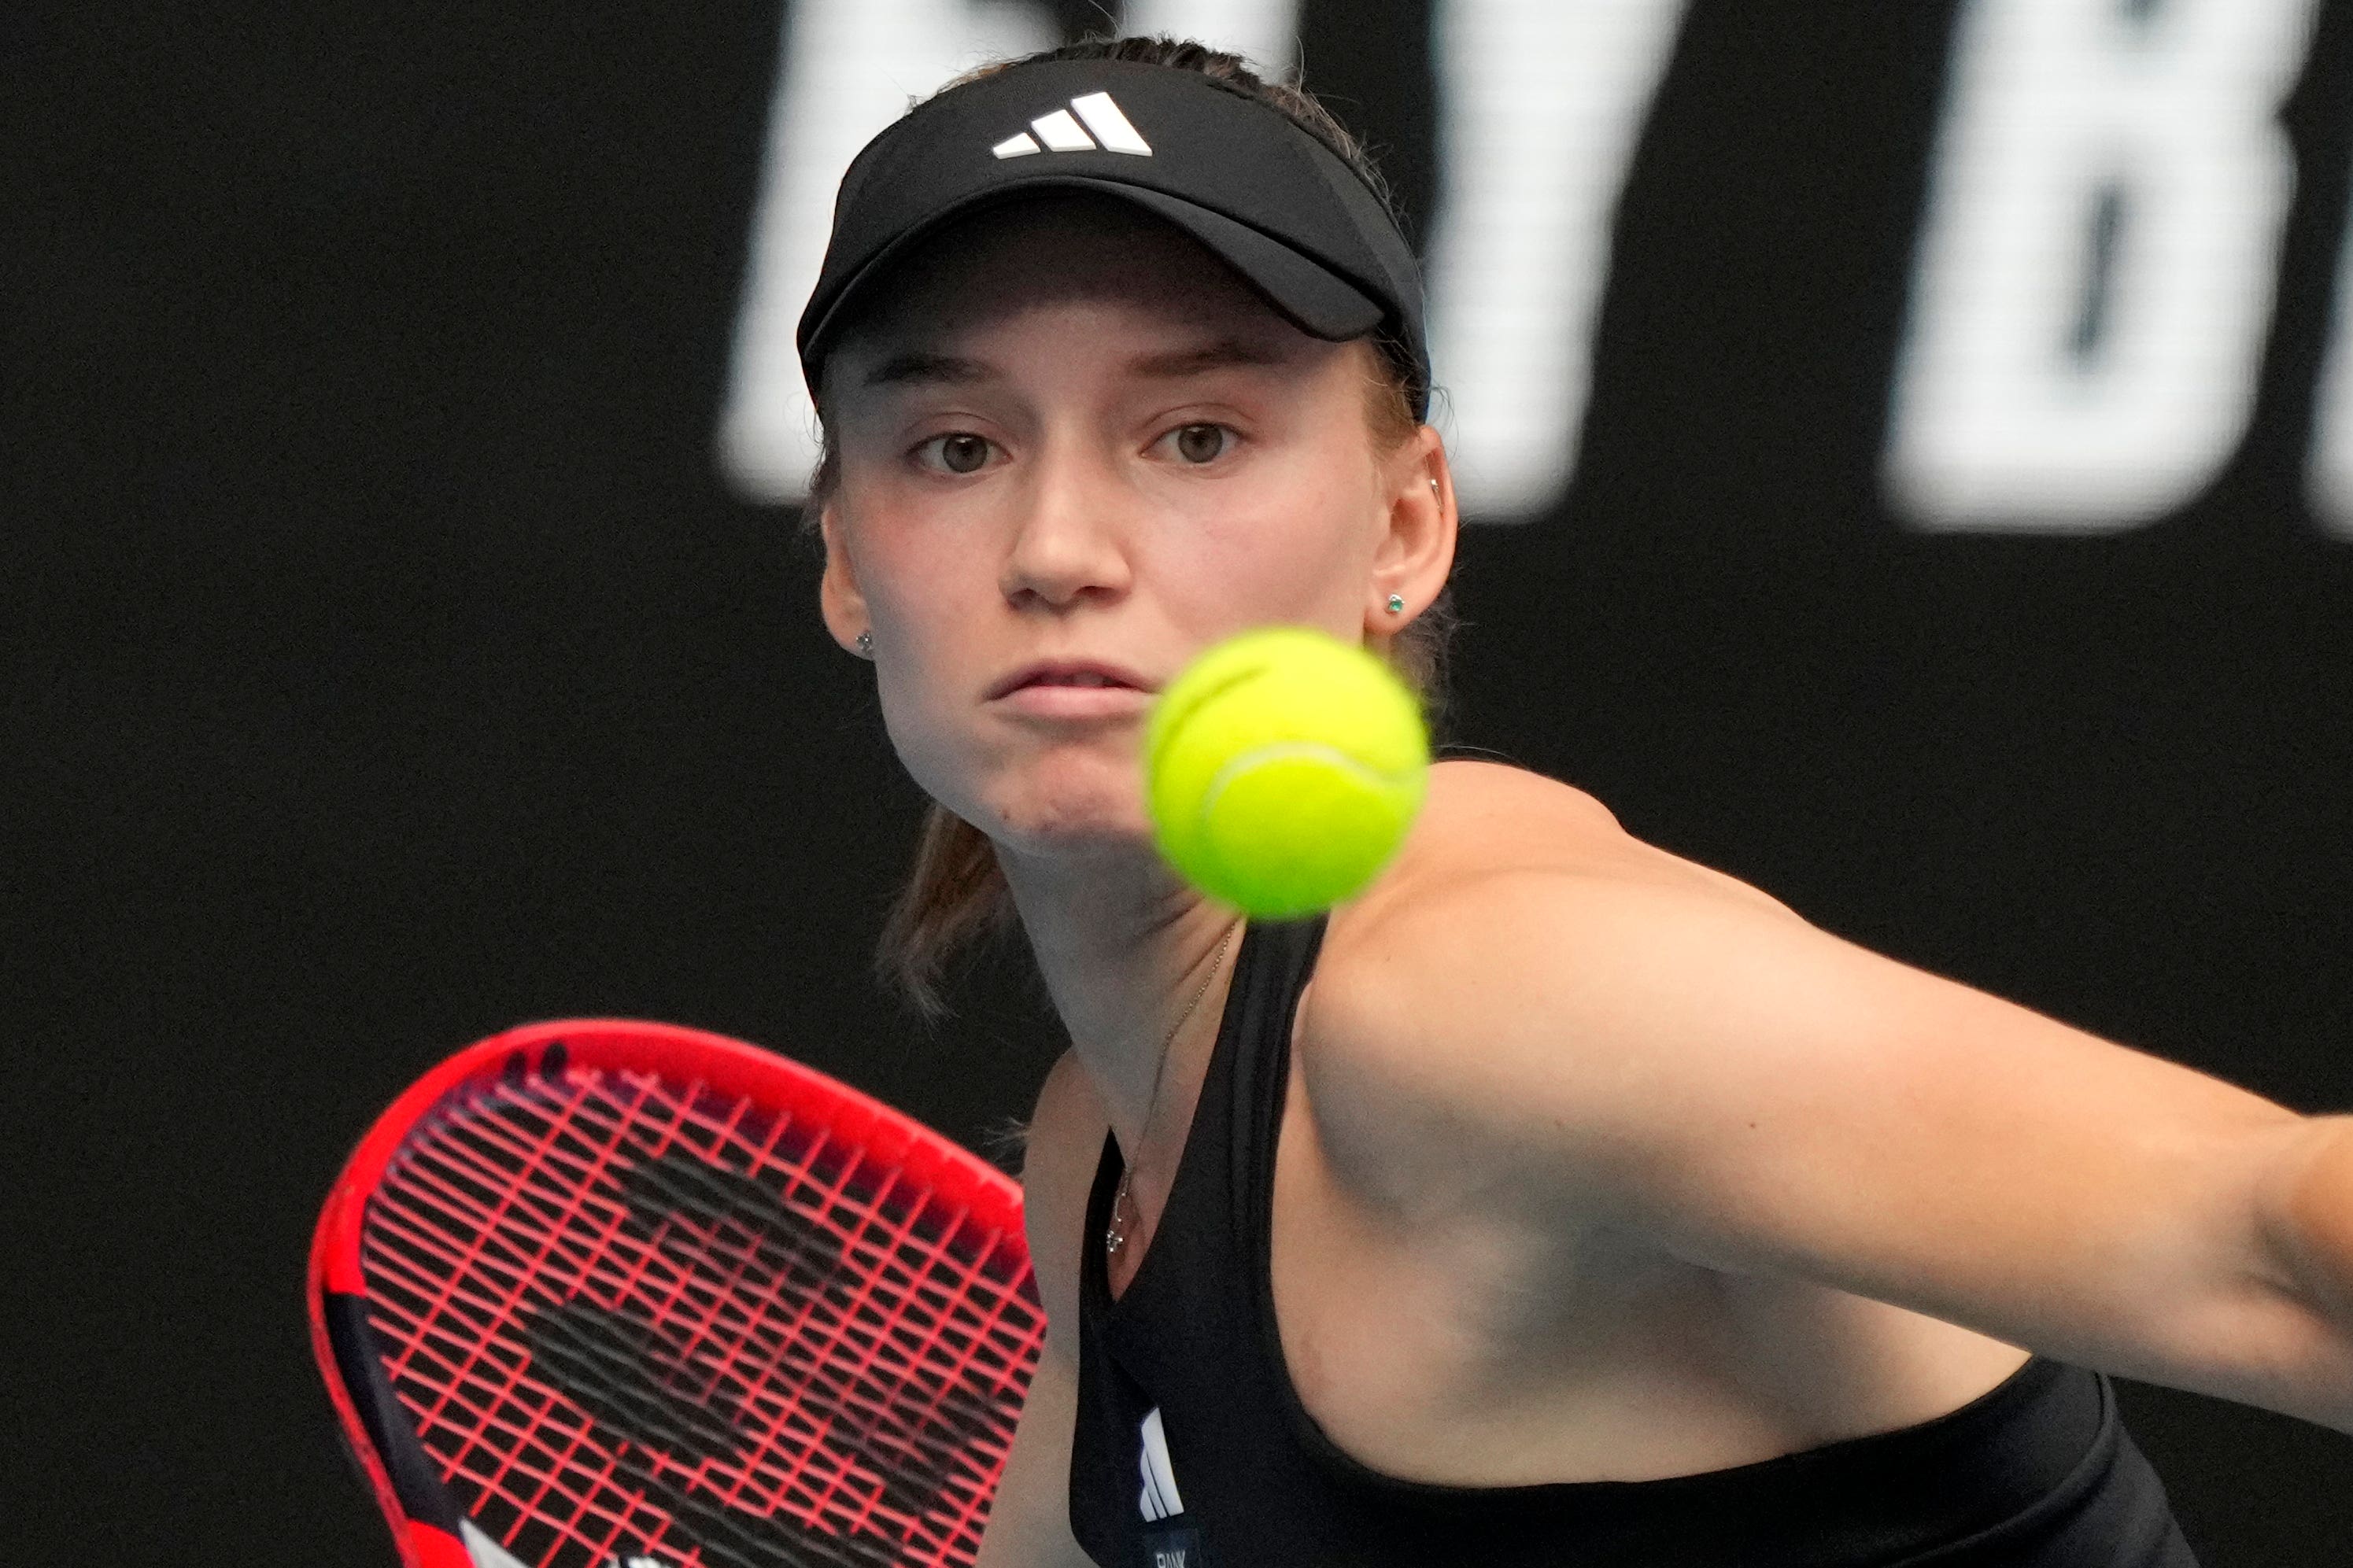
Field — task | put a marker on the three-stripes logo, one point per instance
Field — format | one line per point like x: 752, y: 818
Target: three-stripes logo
x: 1159, y: 1499
x: 1059, y: 132
x: 1169, y: 1540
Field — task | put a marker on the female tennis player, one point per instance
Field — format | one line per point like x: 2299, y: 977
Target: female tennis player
x: 1557, y: 1200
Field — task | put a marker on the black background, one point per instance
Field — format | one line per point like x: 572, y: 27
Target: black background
x: 389, y: 664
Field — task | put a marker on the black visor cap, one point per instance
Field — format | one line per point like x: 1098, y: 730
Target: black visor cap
x: 1261, y: 193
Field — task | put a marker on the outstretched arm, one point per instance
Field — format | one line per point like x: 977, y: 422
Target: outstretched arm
x: 1756, y: 1095
x: 2308, y: 1214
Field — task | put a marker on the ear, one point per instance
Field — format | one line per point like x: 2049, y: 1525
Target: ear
x: 1416, y: 550
x: 838, y: 596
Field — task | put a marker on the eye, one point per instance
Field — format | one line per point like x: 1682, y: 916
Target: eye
x: 960, y: 453
x: 1199, y: 444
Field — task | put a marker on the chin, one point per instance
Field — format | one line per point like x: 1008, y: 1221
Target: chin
x: 1064, y: 812
x: 1071, y: 831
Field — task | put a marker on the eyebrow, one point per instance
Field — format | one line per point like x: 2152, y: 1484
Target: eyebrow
x: 920, y: 369
x: 1217, y: 355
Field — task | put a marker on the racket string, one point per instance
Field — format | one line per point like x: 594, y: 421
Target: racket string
x: 615, y: 1307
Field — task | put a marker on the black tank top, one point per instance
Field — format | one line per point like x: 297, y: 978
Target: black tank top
x: 1192, y: 1449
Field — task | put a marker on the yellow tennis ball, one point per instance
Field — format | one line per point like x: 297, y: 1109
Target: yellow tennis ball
x: 1283, y: 769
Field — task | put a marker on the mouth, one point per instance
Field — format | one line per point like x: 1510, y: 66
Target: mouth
x: 1081, y: 675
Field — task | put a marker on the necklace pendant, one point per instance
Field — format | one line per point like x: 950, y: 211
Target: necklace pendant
x: 1115, y: 1233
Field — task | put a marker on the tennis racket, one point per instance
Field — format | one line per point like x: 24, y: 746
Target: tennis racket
x: 603, y: 1294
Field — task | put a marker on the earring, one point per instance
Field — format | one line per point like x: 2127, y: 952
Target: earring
x: 866, y: 645
x: 1397, y: 604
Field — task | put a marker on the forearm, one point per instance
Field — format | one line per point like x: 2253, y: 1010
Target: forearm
x: 2309, y: 1224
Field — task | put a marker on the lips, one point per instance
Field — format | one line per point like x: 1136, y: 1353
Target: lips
x: 1077, y: 674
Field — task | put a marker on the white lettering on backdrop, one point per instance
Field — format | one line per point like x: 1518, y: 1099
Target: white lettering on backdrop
x: 2093, y: 289
x: 2097, y: 266
x: 1539, y: 106
x: 2328, y: 481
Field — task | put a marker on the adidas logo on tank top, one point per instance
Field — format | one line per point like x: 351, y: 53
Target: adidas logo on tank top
x: 1170, y: 1540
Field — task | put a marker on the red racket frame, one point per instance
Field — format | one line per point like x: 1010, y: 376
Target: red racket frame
x: 694, y: 1057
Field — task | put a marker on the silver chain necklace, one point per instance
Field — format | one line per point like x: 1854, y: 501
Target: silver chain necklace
x: 1115, y: 1234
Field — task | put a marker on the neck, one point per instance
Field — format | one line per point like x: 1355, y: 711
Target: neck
x: 1125, y: 948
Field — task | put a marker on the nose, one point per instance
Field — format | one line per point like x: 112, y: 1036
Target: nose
x: 1071, y: 541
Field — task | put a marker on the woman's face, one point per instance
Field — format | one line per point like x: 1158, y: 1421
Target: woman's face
x: 1070, y: 434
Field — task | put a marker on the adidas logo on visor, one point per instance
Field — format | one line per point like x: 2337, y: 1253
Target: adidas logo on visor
x: 1060, y: 133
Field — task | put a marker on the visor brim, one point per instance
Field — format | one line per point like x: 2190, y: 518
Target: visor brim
x: 1304, y: 291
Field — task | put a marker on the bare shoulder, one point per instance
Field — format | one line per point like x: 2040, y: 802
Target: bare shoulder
x: 1066, y: 1134
x: 1458, y: 1004
x: 1481, y: 820
x: 1474, y: 806
x: 1501, y: 866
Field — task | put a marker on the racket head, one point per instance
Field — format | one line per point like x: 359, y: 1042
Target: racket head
x: 604, y: 1293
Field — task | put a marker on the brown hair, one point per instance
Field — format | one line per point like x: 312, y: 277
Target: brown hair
x: 956, y: 890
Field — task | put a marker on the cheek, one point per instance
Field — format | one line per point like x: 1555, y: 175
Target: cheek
x: 925, y: 588
x: 919, y: 738
x: 920, y: 570
x: 1293, y: 544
